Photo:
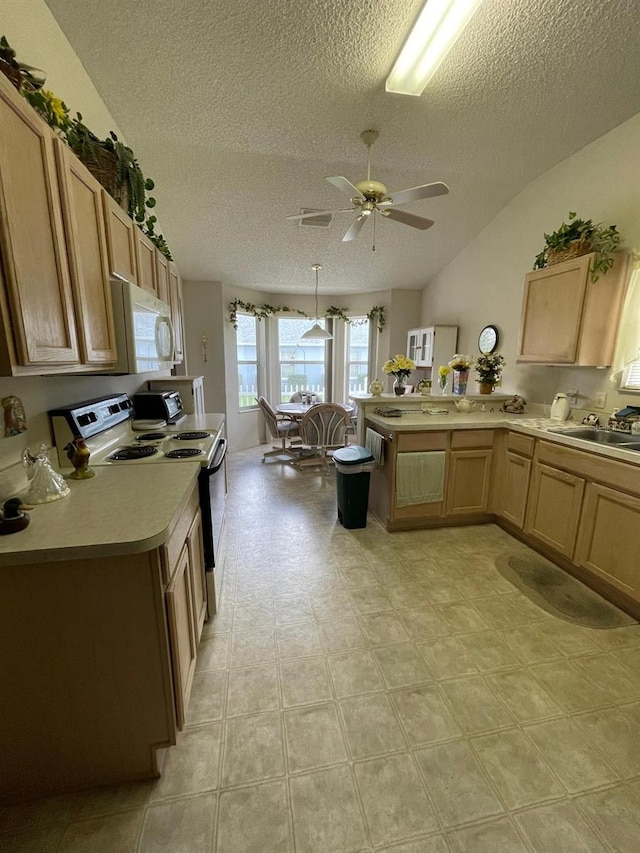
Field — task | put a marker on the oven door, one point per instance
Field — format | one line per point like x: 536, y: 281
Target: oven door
x: 212, y: 486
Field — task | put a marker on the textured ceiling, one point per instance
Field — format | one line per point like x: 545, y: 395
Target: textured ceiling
x: 239, y: 109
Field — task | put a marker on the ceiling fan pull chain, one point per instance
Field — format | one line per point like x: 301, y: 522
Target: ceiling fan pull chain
x: 375, y: 219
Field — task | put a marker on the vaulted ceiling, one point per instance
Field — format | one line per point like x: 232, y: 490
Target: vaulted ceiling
x: 239, y: 109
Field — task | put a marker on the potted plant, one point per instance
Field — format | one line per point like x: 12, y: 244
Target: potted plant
x: 489, y: 370
x: 460, y: 364
x: 579, y: 237
x: 400, y: 367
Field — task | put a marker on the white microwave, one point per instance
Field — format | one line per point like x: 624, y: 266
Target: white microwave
x: 144, y: 334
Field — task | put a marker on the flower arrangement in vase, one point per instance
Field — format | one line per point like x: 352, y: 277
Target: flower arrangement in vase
x: 460, y: 364
x: 443, y: 375
x: 488, y: 368
x: 399, y: 367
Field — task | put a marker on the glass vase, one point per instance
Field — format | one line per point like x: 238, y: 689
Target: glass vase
x: 442, y: 382
x: 460, y: 379
x: 399, y: 385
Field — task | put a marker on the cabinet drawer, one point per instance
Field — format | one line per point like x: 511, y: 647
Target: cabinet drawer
x: 175, y: 543
x: 408, y: 441
x: 463, y: 438
x: 522, y: 444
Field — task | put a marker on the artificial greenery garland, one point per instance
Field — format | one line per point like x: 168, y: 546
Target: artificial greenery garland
x: 264, y: 311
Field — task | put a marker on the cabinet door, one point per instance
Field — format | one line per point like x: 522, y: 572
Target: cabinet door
x: 468, y: 482
x: 609, y: 538
x: 515, y: 486
x: 181, y: 634
x: 426, y: 347
x: 35, y: 264
x: 196, y: 566
x: 88, y: 262
x: 552, y: 312
x: 175, y: 301
x: 553, y: 511
x: 413, y: 345
x: 162, y: 276
x: 146, y: 262
x: 121, y: 243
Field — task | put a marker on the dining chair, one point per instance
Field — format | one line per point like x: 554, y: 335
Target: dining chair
x: 281, y: 427
x: 323, y: 428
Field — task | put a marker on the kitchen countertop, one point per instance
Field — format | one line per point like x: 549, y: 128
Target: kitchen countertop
x: 124, y: 509
x: 537, y: 427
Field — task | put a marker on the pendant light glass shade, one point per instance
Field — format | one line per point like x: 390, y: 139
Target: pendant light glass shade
x: 316, y: 332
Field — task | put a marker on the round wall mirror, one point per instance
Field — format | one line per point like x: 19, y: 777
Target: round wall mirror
x: 488, y: 340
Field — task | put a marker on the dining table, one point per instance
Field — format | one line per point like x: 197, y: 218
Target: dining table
x: 298, y: 410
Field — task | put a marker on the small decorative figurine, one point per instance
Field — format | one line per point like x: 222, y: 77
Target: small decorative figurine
x: 13, y: 516
x: 376, y: 388
x: 515, y: 405
x: 15, y: 420
x: 79, y: 454
x: 46, y: 484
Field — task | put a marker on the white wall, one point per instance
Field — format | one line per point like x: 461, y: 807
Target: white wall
x: 484, y: 283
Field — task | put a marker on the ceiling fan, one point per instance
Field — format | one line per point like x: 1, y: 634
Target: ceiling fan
x: 371, y: 197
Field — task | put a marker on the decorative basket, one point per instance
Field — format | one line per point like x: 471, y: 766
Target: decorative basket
x: 12, y: 73
x: 573, y: 250
x: 103, y: 165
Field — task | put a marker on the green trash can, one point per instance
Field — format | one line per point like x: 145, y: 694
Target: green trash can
x: 354, y: 465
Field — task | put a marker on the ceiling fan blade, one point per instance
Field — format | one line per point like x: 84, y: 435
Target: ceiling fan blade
x: 319, y: 213
x: 344, y: 186
x: 355, y: 229
x: 407, y: 218
x: 425, y: 191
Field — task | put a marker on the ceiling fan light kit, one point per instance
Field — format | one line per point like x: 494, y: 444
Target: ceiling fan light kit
x: 316, y: 332
x: 371, y: 197
x: 434, y: 33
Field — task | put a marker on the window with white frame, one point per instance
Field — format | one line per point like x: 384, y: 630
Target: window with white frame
x: 357, y: 360
x: 631, y: 379
x: 247, y: 359
x: 302, y: 364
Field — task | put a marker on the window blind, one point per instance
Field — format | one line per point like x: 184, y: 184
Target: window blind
x: 632, y: 378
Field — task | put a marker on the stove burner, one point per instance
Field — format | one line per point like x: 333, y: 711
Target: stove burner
x: 134, y: 452
x: 151, y: 436
x: 191, y: 436
x: 183, y: 453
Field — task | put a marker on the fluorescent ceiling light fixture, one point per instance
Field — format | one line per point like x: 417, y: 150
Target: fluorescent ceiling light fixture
x: 433, y: 35
x: 316, y: 332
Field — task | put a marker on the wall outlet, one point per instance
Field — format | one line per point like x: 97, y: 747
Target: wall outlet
x: 600, y: 400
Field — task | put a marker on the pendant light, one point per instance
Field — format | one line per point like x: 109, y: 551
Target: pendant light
x: 316, y: 332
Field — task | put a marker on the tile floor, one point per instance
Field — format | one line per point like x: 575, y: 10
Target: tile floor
x: 363, y: 691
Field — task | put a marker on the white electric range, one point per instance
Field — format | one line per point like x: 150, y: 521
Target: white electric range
x: 107, y: 426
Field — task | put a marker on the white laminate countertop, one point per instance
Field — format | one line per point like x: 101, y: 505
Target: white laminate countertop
x: 124, y: 509
x: 537, y: 427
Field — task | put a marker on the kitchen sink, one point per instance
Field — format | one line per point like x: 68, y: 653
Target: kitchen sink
x: 601, y: 436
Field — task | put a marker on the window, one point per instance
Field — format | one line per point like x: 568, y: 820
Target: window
x: 247, y: 358
x: 303, y: 365
x: 357, y: 361
x: 631, y: 381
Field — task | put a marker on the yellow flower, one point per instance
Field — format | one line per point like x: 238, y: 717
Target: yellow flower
x: 58, y: 109
x: 444, y: 370
x: 399, y: 364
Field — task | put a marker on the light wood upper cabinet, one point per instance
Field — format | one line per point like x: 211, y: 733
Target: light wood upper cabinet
x: 568, y: 319
x: 553, y: 513
x: 175, y: 301
x: 609, y: 538
x: 121, y: 241
x: 87, y: 251
x: 162, y: 276
x: 36, y: 300
x: 146, y: 262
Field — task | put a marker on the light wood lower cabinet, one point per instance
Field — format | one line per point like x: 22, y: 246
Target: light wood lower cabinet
x: 609, y: 538
x: 555, y: 501
x: 468, y: 480
x: 512, y: 502
x: 181, y: 633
